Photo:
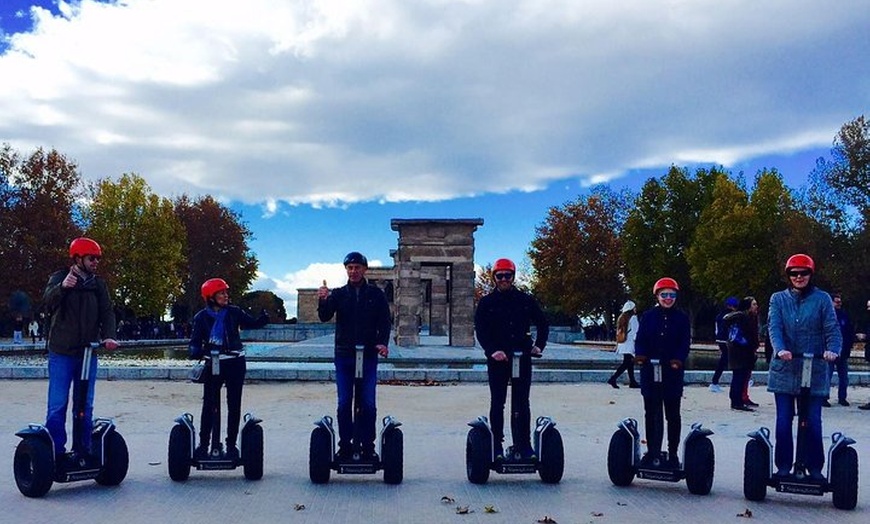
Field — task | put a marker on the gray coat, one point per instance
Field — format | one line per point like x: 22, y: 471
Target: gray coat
x: 802, y: 323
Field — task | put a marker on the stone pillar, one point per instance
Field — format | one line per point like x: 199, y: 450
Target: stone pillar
x: 306, y: 306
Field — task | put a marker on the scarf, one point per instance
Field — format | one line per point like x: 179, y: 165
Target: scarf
x: 218, y: 330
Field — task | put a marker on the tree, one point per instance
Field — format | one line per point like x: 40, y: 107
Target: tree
x: 216, y: 246
x: 849, y: 173
x: 659, y: 230
x: 576, y: 256
x: 143, y: 244
x: 38, y: 209
x: 257, y: 301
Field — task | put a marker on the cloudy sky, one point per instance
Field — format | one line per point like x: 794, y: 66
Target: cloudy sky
x: 320, y: 120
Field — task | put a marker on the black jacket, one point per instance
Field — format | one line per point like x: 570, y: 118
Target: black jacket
x: 362, y: 317
x: 235, y: 320
x: 503, y: 322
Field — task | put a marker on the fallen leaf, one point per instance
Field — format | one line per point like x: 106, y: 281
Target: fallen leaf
x: 490, y: 509
x: 621, y: 504
x: 155, y: 463
x: 463, y: 510
x: 747, y: 514
x: 298, y: 507
x: 546, y: 519
x: 447, y: 500
x: 597, y: 514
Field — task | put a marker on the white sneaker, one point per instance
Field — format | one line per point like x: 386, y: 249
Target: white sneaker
x: 714, y: 388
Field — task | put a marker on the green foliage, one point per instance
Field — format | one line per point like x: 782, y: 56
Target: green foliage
x: 257, y: 301
x: 143, y: 244
x: 849, y: 173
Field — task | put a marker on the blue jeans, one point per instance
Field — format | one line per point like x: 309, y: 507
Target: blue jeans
x: 814, y: 456
x: 356, y: 416
x: 841, y: 365
x: 63, y: 372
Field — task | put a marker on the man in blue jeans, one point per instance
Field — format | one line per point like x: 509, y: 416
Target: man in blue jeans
x: 362, y: 319
x: 81, y: 314
x: 841, y: 366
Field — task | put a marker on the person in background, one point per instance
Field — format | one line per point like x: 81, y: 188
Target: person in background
x: 842, y: 364
x: 722, y: 342
x: 742, y: 326
x: 626, y: 328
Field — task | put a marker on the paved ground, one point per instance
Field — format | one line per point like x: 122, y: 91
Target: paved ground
x: 434, y: 425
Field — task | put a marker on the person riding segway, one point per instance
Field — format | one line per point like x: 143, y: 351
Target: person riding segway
x: 805, y: 337
x: 215, y: 338
x: 81, y: 313
x: 662, y: 346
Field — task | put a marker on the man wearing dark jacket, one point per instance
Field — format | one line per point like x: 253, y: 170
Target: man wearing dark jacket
x: 81, y: 314
x: 362, y: 319
x: 502, y: 322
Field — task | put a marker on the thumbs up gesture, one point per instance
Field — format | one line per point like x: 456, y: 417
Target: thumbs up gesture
x: 323, y: 291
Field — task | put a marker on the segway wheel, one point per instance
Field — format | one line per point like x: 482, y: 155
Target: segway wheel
x: 33, y: 467
x: 178, y: 459
x: 844, y: 478
x: 117, y: 460
x: 319, y: 456
x: 393, y: 456
x: 478, y: 453
x: 700, y: 465
x: 619, y: 455
x: 252, y: 452
x: 552, y: 457
x: 756, y: 470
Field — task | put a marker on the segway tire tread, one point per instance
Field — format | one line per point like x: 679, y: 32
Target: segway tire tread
x: 117, y: 460
x: 319, y: 453
x: 178, y: 457
x: 619, y: 455
x: 252, y: 452
x: 477, y: 455
x: 700, y: 464
x: 393, y: 456
x: 552, y: 457
x: 844, y: 478
x: 756, y: 471
x: 33, y: 467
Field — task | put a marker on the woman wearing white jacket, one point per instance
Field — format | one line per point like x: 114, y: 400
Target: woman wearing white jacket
x: 626, y: 323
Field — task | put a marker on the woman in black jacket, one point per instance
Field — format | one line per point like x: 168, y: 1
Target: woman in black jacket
x: 742, y: 346
x: 215, y: 337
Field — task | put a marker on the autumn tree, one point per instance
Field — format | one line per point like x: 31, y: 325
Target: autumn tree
x: 216, y: 243
x: 143, y: 244
x: 849, y: 171
x: 576, y: 256
x: 38, y: 209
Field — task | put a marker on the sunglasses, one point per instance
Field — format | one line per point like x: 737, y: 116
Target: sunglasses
x: 503, y: 276
x: 667, y: 294
x: 801, y: 273
x: 94, y: 258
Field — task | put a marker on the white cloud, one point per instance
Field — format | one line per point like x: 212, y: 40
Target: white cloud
x: 329, y: 102
x: 310, y: 277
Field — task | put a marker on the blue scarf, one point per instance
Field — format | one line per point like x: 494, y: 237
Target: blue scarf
x: 218, y: 331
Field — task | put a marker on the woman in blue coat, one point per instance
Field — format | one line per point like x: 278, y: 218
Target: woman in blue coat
x: 802, y: 323
x: 664, y: 334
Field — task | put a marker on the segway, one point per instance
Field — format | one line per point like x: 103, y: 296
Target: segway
x: 842, y: 469
x: 36, y: 466
x: 480, y: 459
x: 323, y: 458
x: 182, y: 444
x: 624, y: 455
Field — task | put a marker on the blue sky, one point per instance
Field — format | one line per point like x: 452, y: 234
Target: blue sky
x: 321, y: 121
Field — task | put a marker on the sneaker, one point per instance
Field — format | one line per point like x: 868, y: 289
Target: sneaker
x: 750, y: 403
x: 528, y: 454
x: 674, y: 461
x: 864, y: 406
x: 612, y: 382
x: 649, y: 460
x: 232, y: 452
x: 715, y: 388
x: 843, y: 402
x: 817, y: 476
x: 634, y: 385
x: 345, y: 454
x: 742, y: 407
x: 782, y: 473
x: 498, y: 453
x: 826, y: 404
x: 369, y: 456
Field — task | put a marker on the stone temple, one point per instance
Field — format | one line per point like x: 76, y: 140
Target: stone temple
x: 430, y: 287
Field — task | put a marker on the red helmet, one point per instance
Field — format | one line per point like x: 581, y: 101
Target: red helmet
x: 83, y: 246
x: 800, y: 260
x: 503, y: 264
x: 212, y: 286
x: 665, y: 283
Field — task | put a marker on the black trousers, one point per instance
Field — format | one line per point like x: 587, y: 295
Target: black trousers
x: 656, y: 409
x: 232, y: 373
x: 521, y: 416
x: 627, y: 364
